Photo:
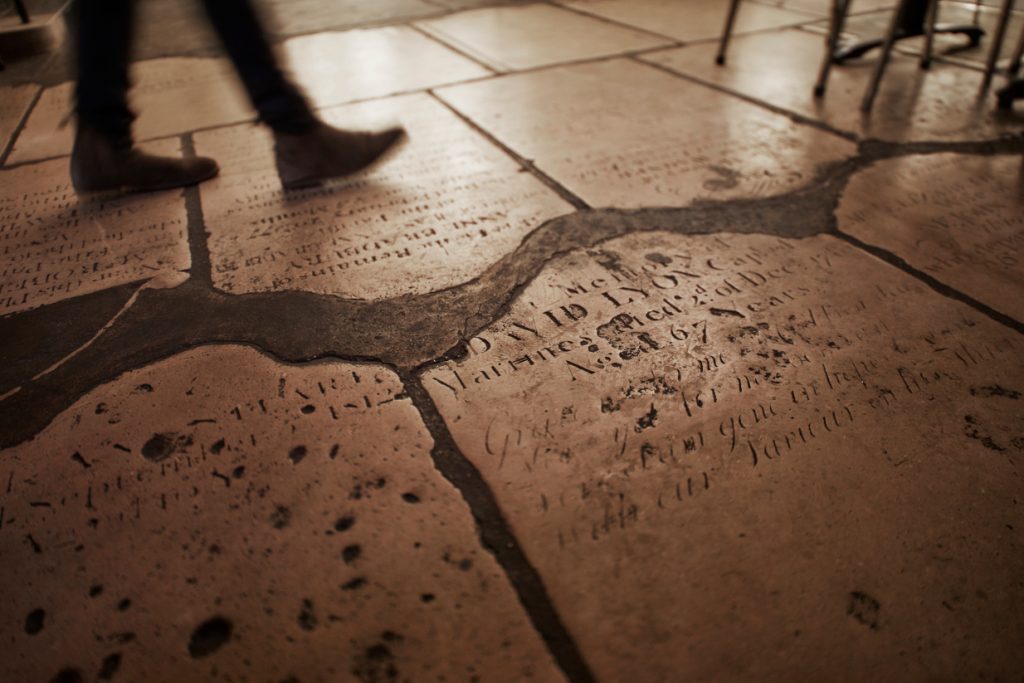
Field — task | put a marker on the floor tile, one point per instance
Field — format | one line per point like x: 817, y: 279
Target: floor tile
x: 958, y: 218
x: 912, y: 105
x: 747, y: 439
x: 209, y: 86
x: 14, y: 103
x: 353, y: 65
x: 512, y: 38
x: 55, y: 246
x: 189, y: 522
x: 824, y: 7
x: 692, y: 20
x: 623, y: 134
x: 290, y: 17
x: 444, y: 208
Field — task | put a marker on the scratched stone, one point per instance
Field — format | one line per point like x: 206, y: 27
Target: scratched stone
x: 693, y: 20
x: 740, y: 457
x: 14, y: 103
x: 623, y: 134
x: 55, y: 245
x: 446, y: 206
x: 281, y: 523
x: 958, y: 218
x: 209, y: 86
x: 510, y: 38
x: 780, y: 68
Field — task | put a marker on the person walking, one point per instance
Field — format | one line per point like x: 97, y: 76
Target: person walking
x: 104, y: 157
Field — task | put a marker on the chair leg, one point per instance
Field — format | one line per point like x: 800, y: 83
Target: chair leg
x: 997, y: 43
x: 1018, y: 53
x: 838, y: 19
x: 883, y: 59
x: 730, y: 19
x: 930, y: 18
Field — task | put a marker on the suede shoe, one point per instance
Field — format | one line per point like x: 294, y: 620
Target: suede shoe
x: 308, y: 159
x: 103, y: 164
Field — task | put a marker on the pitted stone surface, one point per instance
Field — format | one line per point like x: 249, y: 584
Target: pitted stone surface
x: 340, y: 67
x: 14, y: 102
x: 780, y: 68
x: 446, y: 206
x: 958, y: 218
x: 693, y: 20
x: 623, y: 134
x: 727, y: 440
x: 192, y: 522
x: 512, y: 38
x: 162, y: 86
x: 55, y: 245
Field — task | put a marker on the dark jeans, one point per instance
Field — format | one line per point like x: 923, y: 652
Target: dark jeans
x: 104, y: 50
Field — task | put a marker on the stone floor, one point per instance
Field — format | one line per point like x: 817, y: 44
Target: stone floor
x: 626, y: 367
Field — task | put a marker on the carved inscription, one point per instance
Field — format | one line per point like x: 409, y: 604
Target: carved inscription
x: 651, y: 139
x: 958, y: 218
x: 55, y: 245
x: 664, y: 409
x: 440, y: 211
x: 195, y: 519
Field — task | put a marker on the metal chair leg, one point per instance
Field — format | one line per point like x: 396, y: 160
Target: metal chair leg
x: 930, y: 17
x: 883, y: 59
x: 838, y: 19
x: 997, y: 43
x: 730, y: 19
x: 1018, y: 53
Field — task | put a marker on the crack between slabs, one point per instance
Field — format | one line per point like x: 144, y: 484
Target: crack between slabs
x: 560, y: 189
x: 497, y: 537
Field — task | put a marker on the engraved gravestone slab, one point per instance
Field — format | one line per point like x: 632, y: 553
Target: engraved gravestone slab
x: 511, y: 38
x: 441, y: 210
x: 188, y: 522
x: 692, y: 20
x: 958, y: 218
x: 339, y: 67
x: 55, y: 245
x: 622, y: 134
x: 14, y: 102
x: 170, y: 96
x: 780, y: 68
x: 784, y: 444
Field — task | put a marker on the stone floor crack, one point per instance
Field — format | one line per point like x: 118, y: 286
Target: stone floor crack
x: 497, y: 537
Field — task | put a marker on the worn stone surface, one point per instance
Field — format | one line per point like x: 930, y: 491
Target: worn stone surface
x: 190, y: 523
x: 354, y: 65
x: 623, y: 134
x: 781, y: 68
x: 209, y: 86
x: 959, y: 219
x: 747, y: 439
x: 56, y: 245
x: 14, y: 103
x: 522, y: 37
x: 446, y: 206
x: 692, y: 20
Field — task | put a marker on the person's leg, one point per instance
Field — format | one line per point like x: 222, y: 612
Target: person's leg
x: 103, y: 158
x: 102, y: 49
x: 307, y: 151
x: 279, y: 103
